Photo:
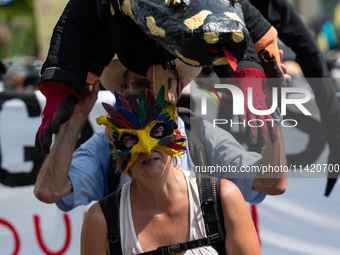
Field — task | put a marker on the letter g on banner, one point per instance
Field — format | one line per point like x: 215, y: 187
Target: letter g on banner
x: 19, y: 119
x: 22, y: 108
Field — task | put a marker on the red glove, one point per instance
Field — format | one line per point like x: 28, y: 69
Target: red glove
x: 254, y: 78
x: 60, y: 102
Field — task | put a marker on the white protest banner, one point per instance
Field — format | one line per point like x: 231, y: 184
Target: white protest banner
x: 28, y: 226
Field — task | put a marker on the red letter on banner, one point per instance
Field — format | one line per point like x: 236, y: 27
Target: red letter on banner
x: 41, y: 242
x: 16, y: 236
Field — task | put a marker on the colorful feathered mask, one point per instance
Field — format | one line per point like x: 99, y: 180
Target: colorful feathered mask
x: 141, y: 126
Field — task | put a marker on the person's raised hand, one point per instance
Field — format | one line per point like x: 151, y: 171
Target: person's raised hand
x: 88, y: 98
x: 60, y: 102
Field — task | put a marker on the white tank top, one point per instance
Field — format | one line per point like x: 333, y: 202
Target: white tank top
x: 129, y: 241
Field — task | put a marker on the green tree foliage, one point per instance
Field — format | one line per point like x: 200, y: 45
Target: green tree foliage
x: 17, y: 29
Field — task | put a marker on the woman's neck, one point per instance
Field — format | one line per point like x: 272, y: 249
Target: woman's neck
x: 159, y: 194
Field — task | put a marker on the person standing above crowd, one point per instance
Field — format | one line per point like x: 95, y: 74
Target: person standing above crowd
x: 89, y: 33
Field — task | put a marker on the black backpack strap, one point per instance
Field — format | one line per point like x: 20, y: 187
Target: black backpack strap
x: 209, y: 194
x: 180, y: 247
x: 110, y: 207
x: 194, y: 129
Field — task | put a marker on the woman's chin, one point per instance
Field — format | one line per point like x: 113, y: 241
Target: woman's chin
x: 152, y: 170
x: 151, y: 167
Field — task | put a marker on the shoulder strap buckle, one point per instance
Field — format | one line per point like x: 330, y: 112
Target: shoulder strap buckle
x: 215, y: 238
x: 113, y: 238
x: 173, y: 248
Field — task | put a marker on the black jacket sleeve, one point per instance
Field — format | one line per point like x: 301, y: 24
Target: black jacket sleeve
x: 73, y: 49
x: 103, y: 53
x: 293, y: 32
x: 291, y: 29
x: 257, y: 25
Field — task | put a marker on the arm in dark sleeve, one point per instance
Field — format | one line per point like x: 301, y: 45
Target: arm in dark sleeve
x: 291, y: 29
x: 102, y: 54
x: 257, y: 25
x: 73, y: 45
x: 264, y: 35
x: 293, y: 32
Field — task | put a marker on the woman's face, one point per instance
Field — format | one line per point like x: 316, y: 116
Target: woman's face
x: 150, y: 166
x: 140, y: 126
x: 153, y: 166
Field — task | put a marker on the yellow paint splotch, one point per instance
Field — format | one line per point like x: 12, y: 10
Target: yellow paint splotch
x: 197, y: 20
x: 154, y: 29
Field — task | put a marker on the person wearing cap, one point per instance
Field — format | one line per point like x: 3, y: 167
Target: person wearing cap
x: 71, y: 181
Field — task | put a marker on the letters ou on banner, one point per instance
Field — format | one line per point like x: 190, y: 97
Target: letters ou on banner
x: 19, y: 244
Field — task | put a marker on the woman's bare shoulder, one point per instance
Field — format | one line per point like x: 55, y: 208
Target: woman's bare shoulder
x: 95, y: 213
x: 230, y: 193
x: 94, y: 232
